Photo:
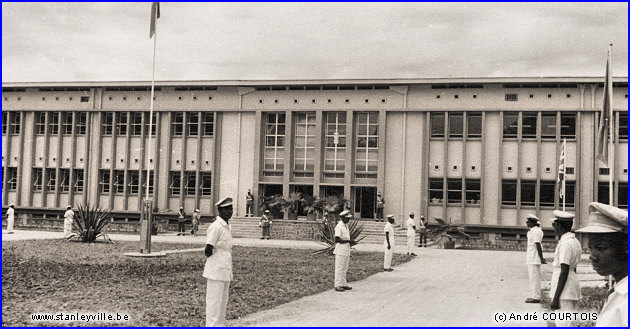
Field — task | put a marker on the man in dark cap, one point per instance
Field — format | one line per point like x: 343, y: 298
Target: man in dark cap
x: 534, y: 257
x: 607, y: 233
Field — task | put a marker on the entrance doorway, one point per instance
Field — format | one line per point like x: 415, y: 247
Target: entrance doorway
x: 364, y: 201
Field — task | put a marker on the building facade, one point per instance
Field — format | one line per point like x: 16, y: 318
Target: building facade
x: 483, y: 152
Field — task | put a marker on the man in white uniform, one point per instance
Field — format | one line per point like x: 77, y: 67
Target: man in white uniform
x: 68, y: 219
x: 534, y: 257
x: 389, y: 243
x: 607, y: 233
x: 218, y: 268
x: 565, y: 284
x: 10, y: 218
x: 342, y: 251
x: 411, y: 234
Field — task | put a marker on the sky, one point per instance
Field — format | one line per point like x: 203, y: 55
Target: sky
x: 109, y: 41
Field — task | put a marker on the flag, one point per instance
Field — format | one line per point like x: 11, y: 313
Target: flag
x: 605, y: 118
x: 561, y: 169
x: 155, y: 14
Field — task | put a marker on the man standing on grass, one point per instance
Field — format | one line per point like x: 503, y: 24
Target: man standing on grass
x: 607, y: 233
x: 342, y: 251
x: 565, y: 284
x: 10, y: 218
x: 389, y: 243
x: 68, y: 219
x: 534, y: 257
x: 411, y: 234
x: 218, y: 268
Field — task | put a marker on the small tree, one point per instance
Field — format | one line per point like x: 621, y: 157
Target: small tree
x: 446, y: 233
x: 90, y: 222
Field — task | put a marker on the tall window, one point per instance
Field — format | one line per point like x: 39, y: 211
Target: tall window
x: 4, y: 123
x: 119, y: 181
x: 38, y: 179
x: 569, y: 194
x: 274, y: 144
x: 567, y: 125
x: 78, y: 180
x: 304, y: 148
x: 64, y: 180
x: 437, y: 124
x: 473, y: 123
x: 136, y: 123
x: 547, y: 193
x: 40, y: 123
x: 206, y: 183
x: 508, y: 192
x: 335, y: 147
x: 623, y: 125
x: 207, y: 124
x: 192, y: 124
x: 366, y: 156
x: 108, y: 123
x: 15, y: 123
x: 548, y: 125
x: 51, y: 185
x: 175, y: 185
x: 529, y: 125
x: 121, y: 123
x: 150, y: 182
x: 133, y: 177
x: 190, y: 182
x: 147, y: 121
x: 11, y: 178
x: 454, y: 192
x: 104, y: 180
x: 510, y: 125
x: 473, y: 190
x: 66, y: 123
x: 81, y: 123
x: 455, y: 125
x: 177, y: 124
x: 528, y: 193
x: 622, y: 195
x: 53, y: 123
x: 436, y: 190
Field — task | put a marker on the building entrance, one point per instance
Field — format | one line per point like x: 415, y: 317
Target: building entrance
x: 365, y: 201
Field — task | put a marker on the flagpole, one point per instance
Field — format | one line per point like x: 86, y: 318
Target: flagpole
x: 564, y: 178
x: 611, y: 146
x: 151, y: 113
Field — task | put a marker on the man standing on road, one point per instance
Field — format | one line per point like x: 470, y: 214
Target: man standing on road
x: 389, y: 244
x: 380, y: 205
x: 342, y: 251
x: 411, y: 234
x: 249, y: 204
x: 565, y: 285
x: 607, y: 233
x: 181, y: 218
x: 68, y: 219
x: 218, y: 268
x: 422, y: 228
x: 10, y: 218
x: 534, y: 257
x: 195, y: 222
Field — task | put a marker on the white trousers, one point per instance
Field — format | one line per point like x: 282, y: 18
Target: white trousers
x: 216, y: 302
x: 67, y: 227
x: 10, y: 222
x: 341, y: 268
x: 410, y: 243
x: 566, y: 306
x: 534, y: 280
x: 389, y: 254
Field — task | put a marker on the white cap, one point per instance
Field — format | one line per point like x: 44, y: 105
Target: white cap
x: 227, y: 201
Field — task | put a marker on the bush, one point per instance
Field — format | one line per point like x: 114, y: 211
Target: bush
x: 327, y: 233
x: 90, y: 221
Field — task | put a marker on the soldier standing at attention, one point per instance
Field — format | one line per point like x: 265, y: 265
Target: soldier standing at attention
x: 10, y: 218
x: 388, y: 246
x: 195, y: 222
x: 218, y: 268
x: 181, y: 218
x: 342, y: 251
x: 265, y: 222
x: 422, y: 228
x: 68, y: 219
x: 565, y: 284
x: 249, y: 204
x: 534, y: 257
x: 380, y: 205
x: 607, y: 233
x: 411, y: 234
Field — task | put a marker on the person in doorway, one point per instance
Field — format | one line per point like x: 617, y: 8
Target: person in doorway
x: 380, y: 205
x: 196, y: 217
x: 565, y: 285
x: 181, y: 219
x: 388, y: 246
x: 534, y: 257
x: 218, y: 267
x: 411, y: 234
x: 249, y: 204
x: 10, y: 218
x: 68, y: 219
x: 342, y: 251
x: 422, y: 229
x: 607, y: 233
x: 265, y: 222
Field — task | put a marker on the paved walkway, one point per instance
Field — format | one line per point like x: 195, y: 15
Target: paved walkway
x: 437, y: 288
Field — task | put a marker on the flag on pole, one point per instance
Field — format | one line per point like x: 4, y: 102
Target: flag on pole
x: 561, y: 169
x: 155, y: 14
x: 605, y: 118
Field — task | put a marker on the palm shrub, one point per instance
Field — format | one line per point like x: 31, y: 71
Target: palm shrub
x: 334, y: 205
x: 90, y: 222
x: 446, y: 233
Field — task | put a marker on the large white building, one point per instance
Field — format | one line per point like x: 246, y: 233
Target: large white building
x: 480, y: 151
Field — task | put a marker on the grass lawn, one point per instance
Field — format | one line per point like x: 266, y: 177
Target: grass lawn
x: 51, y: 276
x: 593, y: 300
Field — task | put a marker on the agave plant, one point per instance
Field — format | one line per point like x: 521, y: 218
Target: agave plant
x: 90, y: 221
x: 446, y: 233
x: 327, y: 233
